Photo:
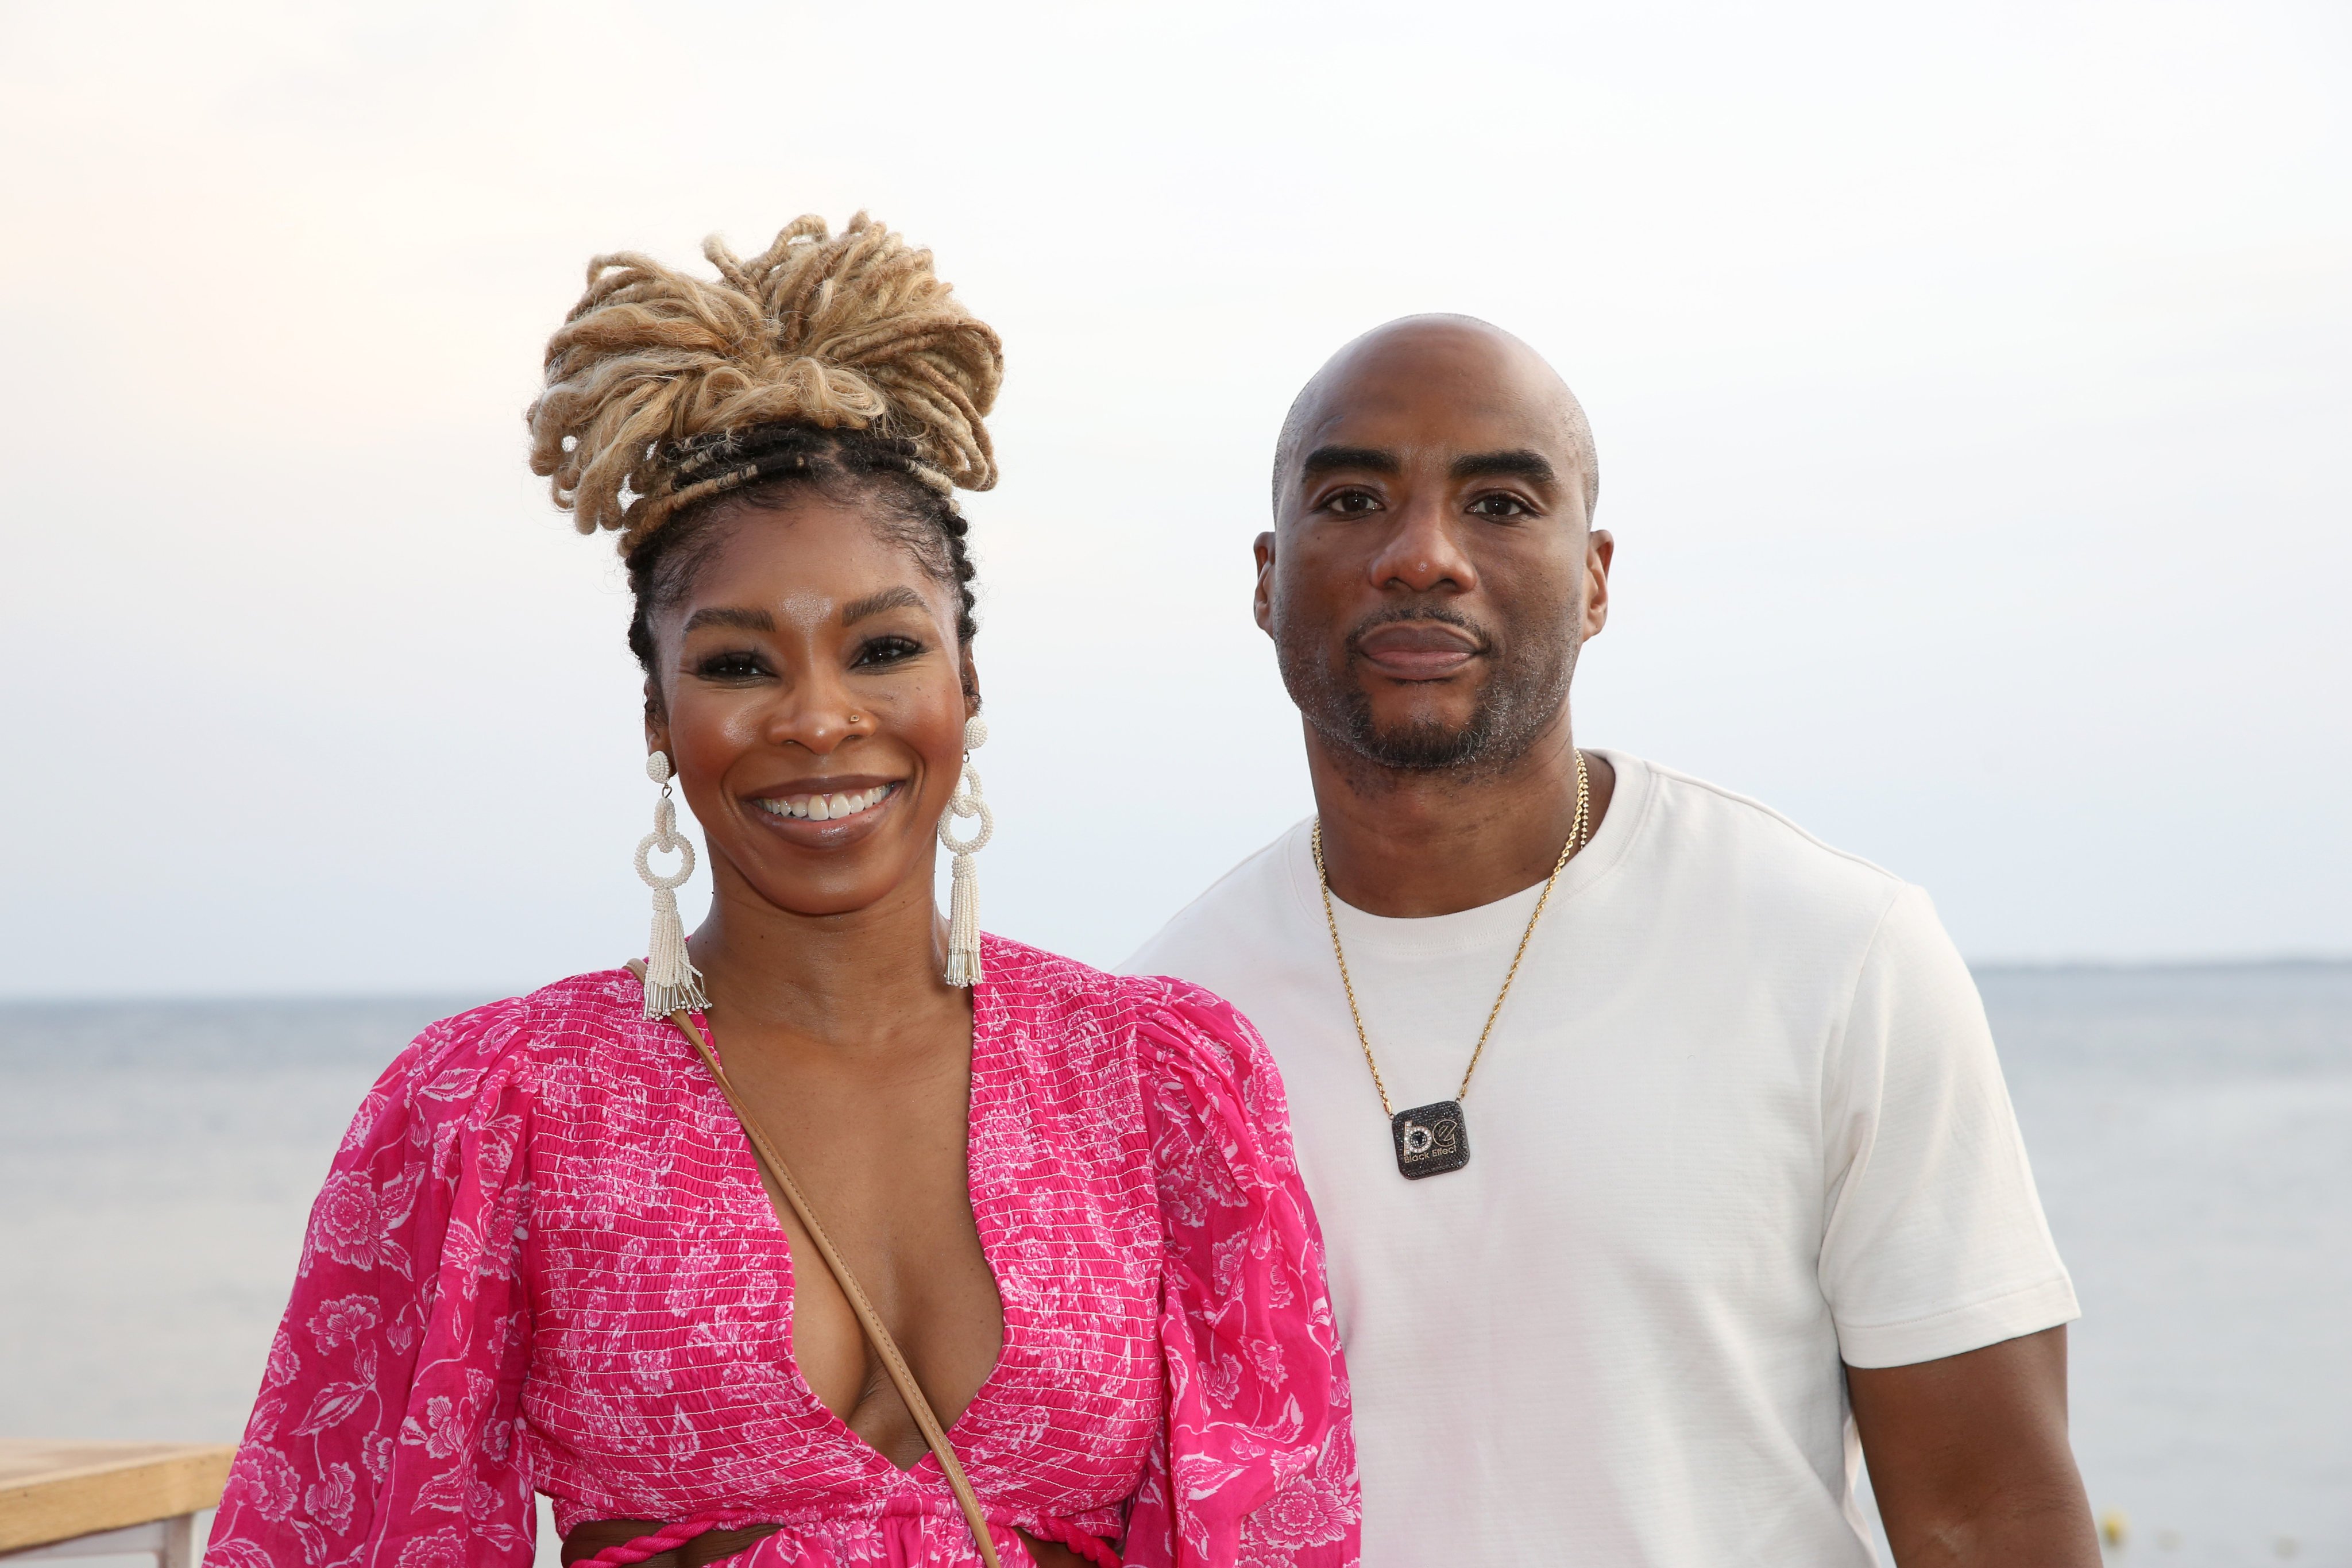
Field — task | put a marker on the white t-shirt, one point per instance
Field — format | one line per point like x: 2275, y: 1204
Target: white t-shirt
x: 1740, y: 1119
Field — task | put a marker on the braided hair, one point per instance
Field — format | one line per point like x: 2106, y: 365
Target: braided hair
x: 783, y: 462
x: 841, y: 363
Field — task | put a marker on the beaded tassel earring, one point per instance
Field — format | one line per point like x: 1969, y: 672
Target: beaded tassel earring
x: 963, y: 881
x: 672, y: 983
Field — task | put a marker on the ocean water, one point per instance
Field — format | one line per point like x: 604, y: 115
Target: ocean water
x: 2191, y: 1130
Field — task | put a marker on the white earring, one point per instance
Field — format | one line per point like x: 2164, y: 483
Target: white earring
x: 672, y: 983
x: 963, y: 881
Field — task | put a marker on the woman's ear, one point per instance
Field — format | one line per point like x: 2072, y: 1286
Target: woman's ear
x: 971, y: 675
x: 656, y: 722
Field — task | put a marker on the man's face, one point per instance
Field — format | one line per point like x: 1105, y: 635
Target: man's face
x: 1433, y: 575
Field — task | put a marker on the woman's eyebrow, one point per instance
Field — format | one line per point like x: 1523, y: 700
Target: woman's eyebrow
x: 898, y: 598
x: 742, y: 620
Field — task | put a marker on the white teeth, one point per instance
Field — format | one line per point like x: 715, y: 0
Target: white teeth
x: 828, y: 807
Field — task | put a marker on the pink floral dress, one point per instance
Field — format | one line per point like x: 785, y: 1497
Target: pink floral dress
x: 544, y: 1260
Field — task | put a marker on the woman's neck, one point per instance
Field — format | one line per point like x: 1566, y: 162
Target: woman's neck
x: 846, y: 980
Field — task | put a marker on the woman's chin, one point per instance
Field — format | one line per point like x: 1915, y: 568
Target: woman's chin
x: 791, y: 890
x: 819, y: 869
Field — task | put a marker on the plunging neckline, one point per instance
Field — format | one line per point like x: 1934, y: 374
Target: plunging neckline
x: 989, y: 1224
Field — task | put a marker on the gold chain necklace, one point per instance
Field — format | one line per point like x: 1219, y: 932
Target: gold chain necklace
x: 1432, y: 1140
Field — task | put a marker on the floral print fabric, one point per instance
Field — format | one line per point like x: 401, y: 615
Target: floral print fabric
x: 544, y: 1260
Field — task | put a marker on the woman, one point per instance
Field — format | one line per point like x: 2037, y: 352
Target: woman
x: 563, y: 1249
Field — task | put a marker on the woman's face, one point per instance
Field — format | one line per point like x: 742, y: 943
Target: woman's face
x: 812, y: 705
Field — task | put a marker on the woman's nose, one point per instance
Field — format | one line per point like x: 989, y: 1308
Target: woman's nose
x: 817, y: 714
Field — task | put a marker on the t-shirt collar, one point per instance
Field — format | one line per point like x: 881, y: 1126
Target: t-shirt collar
x: 1477, y: 929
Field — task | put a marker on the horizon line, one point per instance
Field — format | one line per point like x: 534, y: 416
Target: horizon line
x: 485, y: 994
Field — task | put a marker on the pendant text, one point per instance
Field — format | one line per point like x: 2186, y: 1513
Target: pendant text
x: 1431, y: 1140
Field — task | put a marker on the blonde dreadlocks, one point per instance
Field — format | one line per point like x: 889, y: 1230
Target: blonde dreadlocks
x: 824, y: 360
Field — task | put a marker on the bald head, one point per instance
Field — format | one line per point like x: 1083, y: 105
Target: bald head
x: 1433, y: 568
x: 1464, y: 363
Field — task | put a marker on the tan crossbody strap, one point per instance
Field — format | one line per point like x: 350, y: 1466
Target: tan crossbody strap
x: 901, y: 1376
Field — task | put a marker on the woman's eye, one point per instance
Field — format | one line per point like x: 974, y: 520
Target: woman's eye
x: 1501, y: 506
x: 885, y: 650
x: 736, y: 664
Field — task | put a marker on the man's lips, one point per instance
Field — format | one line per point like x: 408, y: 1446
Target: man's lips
x: 1417, y: 650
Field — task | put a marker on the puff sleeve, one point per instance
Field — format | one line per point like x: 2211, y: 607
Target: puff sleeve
x: 1256, y: 1464
x: 388, y: 1427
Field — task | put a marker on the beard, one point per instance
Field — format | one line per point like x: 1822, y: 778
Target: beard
x: 1524, y: 692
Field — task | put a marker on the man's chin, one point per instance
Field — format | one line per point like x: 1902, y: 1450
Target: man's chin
x: 1426, y: 727
x: 1419, y: 746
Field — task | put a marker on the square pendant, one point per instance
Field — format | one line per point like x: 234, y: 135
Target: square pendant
x: 1431, y: 1140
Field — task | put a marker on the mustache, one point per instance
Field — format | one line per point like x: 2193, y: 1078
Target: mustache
x: 1434, y: 610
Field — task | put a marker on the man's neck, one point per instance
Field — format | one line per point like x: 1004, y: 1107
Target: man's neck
x: 1408, y: 843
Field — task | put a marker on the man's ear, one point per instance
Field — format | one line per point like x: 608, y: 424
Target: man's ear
x: 1600, y: 549
x: 1261, y: 600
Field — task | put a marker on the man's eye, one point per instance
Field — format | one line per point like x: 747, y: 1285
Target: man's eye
x: 1352, y: 503
x: 733, y: 665
x: 885, y: 650
x: 1501, y: 506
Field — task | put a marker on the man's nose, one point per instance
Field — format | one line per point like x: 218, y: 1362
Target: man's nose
x: 1423, y: 552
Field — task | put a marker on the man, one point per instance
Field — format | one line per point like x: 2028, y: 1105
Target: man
x: 1732, y: 1158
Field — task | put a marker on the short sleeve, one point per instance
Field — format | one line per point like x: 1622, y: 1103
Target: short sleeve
x: 1935, y: 1241
x: 387, y: 1433
x: 1256, y: 1465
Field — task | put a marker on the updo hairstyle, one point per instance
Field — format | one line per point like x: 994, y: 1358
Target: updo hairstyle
x: 842, y: 364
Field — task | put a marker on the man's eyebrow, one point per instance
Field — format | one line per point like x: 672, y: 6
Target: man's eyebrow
x: 742, y: 620
x: 1521, y: 463
x: 1324, y: 460
x: 899, y: 598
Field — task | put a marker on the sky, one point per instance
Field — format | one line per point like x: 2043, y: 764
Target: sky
x: 1971, y: 385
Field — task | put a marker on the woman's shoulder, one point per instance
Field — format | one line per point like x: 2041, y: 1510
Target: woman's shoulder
x: 502, y: 1049
x: 1203, y: 1061
x: 582, y: 1008
x: 1046, y: 986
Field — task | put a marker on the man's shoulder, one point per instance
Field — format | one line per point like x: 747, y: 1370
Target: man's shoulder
x: 1679, y: 845
x: 1238, y: 909
x: 1746, y: 851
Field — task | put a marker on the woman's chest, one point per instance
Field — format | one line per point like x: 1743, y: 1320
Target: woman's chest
x: 666, y: 1301
x: 878, y: 1140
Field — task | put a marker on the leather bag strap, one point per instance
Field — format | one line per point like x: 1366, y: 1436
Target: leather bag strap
x: 902, y: 1377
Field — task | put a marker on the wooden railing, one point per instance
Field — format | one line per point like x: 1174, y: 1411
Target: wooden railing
x: 60, y: 1499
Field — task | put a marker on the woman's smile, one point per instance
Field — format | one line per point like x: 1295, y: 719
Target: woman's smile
x: 826, y: 813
